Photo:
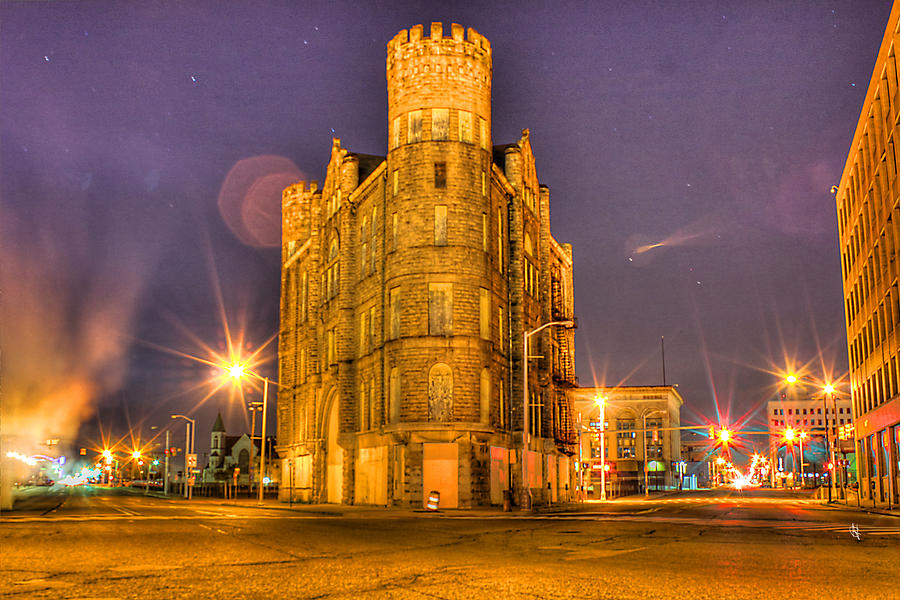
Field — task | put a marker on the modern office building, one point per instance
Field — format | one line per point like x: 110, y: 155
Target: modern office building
x: 869, y: 226
x: 409, y: 282
x: 641, y: 442
x: 820, y: 420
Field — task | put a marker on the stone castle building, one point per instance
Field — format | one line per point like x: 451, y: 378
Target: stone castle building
x: 408, y: 284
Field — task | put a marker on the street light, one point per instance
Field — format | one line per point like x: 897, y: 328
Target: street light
x: 239, y: 371
x: 526, y: 496
x: 644, y: 438
x: 188, y: 490
x: 828, y: 391
x: 601, y: 402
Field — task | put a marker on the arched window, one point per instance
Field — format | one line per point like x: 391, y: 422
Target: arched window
x: 244, y: 460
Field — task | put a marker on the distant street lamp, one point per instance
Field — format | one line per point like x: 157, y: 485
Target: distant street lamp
x: 239, y: 371
x: 526, y: 496
x: 601, y: 402
x: 188, y: 491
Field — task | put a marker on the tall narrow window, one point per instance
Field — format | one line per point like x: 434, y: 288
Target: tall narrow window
x: 440, y: 309
x: 395, y: 133
x: 304, y: 296
x: 485, y: 313
x: 440, y: 175
x: 485, y: 395
x: 372, y: 329
x: 440, y: 123
x: 501, y: 404
x: 485, y: 141
x: 484, y: 232
x: 373, y: 409
x: 465, y: 126
x: 364, y: 247
x: 363, y: 333
x: 395, y: 227
x: 500, y: 239
x: 396, y: 182
x: 329, y: 344
x: 500, y: 326
x: 440, y: 225
x: 394, y: 314
x: 414, y: 133
x: 483, y: 183
x: 363, y: 409
x: 394, y: 396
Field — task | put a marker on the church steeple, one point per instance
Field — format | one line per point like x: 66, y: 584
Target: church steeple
x: 218, y: 426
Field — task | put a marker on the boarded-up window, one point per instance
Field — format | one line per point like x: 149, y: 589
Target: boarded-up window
x: 395, y: 133
x: 440, y: 175
x: 485, y: 395
x: 440, y: 309
x: 440, y: 225
x: 394, y: 396
x: 372, y: 328
x: 500, y: 239
x: 395, y: 227
x: 465, y: 126
x: 440, y: 123
x: 394, y: 314
x: 414, y: 133
x: 485, y: 313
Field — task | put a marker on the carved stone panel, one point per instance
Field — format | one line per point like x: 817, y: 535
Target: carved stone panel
x: 440, y: 393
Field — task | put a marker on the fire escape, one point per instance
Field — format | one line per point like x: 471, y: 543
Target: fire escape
x: 563, y: 370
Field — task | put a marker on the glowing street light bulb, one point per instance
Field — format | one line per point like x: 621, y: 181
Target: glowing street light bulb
x: 136, y: 454
x: 236, y: 370
x: 724, y: 436
x: 802, y: 435
x: 600, y: 401
x: 107, y: 454
x: 791, y: 378
x: 789, y: 434
x: 828, y: 389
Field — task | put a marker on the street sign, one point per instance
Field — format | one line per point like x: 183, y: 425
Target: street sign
x: 192, y: 461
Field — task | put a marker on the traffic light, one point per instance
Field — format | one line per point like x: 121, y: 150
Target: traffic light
x: 656, y: 436
x: 83, y: 452
x: 830, y: 466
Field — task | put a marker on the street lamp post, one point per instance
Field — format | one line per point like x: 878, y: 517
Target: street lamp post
x: 829, y: 391
x: 526, y: 495
x: 238, y: 371
x: 188, y: 443
x: 601, y: 402
x: 802, y: 476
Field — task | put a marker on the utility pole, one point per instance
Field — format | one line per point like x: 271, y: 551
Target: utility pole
x: 166, y: 484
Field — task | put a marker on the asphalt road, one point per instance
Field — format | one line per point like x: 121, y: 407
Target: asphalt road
x: 95, y: 543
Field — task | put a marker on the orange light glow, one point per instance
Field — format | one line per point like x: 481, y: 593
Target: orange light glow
x: 236, y: 370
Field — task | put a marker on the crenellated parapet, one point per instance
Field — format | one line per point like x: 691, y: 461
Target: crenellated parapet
x: 428, y: 70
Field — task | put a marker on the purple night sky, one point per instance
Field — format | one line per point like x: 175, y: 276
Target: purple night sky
x: 717, y: 129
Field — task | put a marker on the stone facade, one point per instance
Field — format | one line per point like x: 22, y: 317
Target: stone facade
x: 408, y: 283
x: 642, y: 439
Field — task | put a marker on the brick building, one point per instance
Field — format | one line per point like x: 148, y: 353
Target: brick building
x: 408, y: 283
x: 869, y: 227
